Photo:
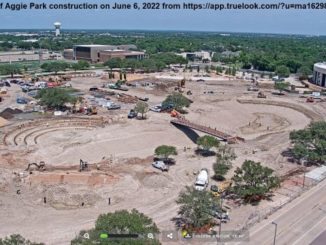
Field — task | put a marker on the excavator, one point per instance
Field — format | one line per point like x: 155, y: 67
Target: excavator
x: 83, y: 165
x: 39, y: 167
x: 181, y: 85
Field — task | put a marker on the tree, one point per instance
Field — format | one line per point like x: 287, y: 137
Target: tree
x: 219, y: 70
x: 310, y: 143
x: 165, y: 151
x: 195, y: 207
x: 234, y: 71
x: 282, y: 71
x: 10, y: 69
x: 220, y: 170
x: 120, y: 222
x: 207, y: 142
x: 304, y: 72
x: 176, y: 101
x: 141, y: 107
x: 17, y: 239
x: 252, y: 181
x: 281, y: 86
x: 55, y: 98
x: 224, y: 157
x: 55, y: 66
x: 80, y: 65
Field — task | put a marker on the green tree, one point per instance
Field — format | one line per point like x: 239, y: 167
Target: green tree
x: 281, y: 86
x: 282, y: 71
x: 310, y: 143
x: 55, y: 66
x: 142, y: 108
x: 17, y: 239
x: 177, y: 101
x: 252, y: 181
x: 224, y: 157
x: 120, y: 222
x: 195, y: 207
x: 80, y: 65
x: 220, y: 170
x: 304, y: 72
x: 207, y: 142
x: 55, y: 98
x: 219, y: 70
x: 234, y: 71
x: 164, y: 151
x: 9, y: 69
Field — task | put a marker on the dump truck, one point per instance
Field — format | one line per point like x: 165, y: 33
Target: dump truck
x: 202, y: 180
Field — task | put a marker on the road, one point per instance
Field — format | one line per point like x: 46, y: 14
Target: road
x: 299, y: 222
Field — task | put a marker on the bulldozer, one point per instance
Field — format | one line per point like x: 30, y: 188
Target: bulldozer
x: 39, y: 167
x: 91, y: 111
x: 223, y: 187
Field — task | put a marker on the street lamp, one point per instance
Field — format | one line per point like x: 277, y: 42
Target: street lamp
x: 274, y: 223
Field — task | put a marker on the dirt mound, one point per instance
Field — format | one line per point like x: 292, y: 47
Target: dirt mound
x: 9, y: 113
x: 61, y: 198
x: 156, y: 181
x: 3, y: 122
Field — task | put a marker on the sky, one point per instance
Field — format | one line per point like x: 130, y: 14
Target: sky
x: 310, y: 22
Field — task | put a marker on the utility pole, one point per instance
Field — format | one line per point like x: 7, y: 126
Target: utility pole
x: 220, y: 226
x: 274, y: 223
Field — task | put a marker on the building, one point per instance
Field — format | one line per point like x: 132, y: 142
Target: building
x: 102, y: 53
x: 106, y: 55
x: 319, y: 75
x: 200, y: 55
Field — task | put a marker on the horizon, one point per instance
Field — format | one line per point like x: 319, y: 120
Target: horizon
x: 157, y: 30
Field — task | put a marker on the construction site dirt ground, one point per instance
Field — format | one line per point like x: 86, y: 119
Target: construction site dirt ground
x: 74, y: 200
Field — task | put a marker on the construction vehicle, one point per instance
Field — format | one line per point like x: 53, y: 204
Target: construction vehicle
x: 310, y: 100
x: 261, y: 95
x: 83, y: 165
x: 38, y: 167
x: 90, y: 111
x: 118, y: 86
x: 223, y: 187
x: 175, y: 113
x: 202, y: 180
x: 214, y: 191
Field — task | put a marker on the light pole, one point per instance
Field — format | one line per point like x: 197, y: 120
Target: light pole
x: 274, y: 223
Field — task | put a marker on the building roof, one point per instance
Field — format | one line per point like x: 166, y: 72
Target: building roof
x: 93, y: 46
x: 321, y: 65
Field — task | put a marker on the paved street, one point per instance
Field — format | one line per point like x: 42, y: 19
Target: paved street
x: 299, y: 222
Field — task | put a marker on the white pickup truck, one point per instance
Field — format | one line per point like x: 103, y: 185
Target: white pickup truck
x: 202, y: 180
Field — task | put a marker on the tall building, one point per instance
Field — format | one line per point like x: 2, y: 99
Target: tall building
x: 57, y: 26
x: 319, y: 75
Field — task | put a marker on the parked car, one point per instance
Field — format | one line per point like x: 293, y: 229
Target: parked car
x: 112, y: 106
x: 156, y: 108
x: 93, y: 89
x: 220, y: 214
x: 132, y: 114
x: 160, y: 165
x: 21, y: 101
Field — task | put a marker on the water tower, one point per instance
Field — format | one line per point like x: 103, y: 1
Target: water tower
x: 57, y: 26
